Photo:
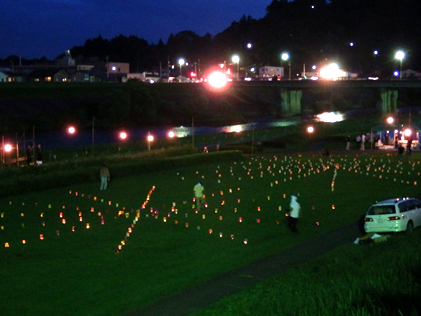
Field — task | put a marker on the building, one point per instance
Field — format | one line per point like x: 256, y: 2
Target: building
x: 48, y: 75
x: 5, y: 76
x: 270, y: 72
x: 117, y: 71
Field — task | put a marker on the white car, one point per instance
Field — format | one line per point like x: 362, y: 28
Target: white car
x: 394, y: 215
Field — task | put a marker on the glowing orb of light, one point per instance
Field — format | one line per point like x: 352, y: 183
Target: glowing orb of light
x: 71, y: 130
x: 7, y: 147
x: 407, y: 132
x: 171, y: 134
x: 330, y: 117
x: 150, y: 138
x: 123, y: 135
x: 390, y: 120
x: 331, y: 71
x: 310, y: 129
x: 217, y: 79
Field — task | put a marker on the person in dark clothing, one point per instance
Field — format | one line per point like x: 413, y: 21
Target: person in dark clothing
x: 29, y: 155
x: 409, y: 146
x: 39, y: 155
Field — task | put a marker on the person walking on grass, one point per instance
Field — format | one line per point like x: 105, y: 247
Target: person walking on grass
x: 198, y: 194
x: 105, y: 177
x: 294, y: 214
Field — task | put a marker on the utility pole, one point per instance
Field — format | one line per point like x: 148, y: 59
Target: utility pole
x: 93, y: 134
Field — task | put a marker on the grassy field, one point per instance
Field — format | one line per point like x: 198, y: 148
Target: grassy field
x: 81, y: 251
x: 374, y: 279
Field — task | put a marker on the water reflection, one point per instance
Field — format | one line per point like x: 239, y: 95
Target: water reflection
x: 54, y: 140
x: 183, y: 131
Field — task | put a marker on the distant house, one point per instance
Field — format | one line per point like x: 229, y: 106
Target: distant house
x: 48, y: 75
x: 87, y: 76
x: 117, y: 71
x: 267, y: 72
x: 5, y: 76
x: 411, y: 74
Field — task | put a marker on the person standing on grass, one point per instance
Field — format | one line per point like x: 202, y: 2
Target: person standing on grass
x: 358, y: 141
x: 363, y: 138
x: 39, y: 155
x: 409, y: 146
x: 29, y: 155
x: 294, y: 214
x: 348, y: 142
x: 105, y: 177
x: 198, y: 194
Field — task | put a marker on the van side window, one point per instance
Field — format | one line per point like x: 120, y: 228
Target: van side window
x: 416, y: 203
x: 404, y: 207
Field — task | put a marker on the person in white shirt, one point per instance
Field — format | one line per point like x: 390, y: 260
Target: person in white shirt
x: 294, y: 214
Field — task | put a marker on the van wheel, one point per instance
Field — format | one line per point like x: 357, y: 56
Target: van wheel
x: 409, y: 227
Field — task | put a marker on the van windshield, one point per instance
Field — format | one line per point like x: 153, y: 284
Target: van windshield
x: 381, y: 209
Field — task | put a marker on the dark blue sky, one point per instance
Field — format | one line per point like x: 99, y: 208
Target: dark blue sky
x: 37, y: 28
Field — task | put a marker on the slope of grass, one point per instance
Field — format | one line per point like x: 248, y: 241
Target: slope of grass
x: 145, y: 240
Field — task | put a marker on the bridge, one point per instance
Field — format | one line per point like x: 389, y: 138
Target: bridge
x: 291, y: 91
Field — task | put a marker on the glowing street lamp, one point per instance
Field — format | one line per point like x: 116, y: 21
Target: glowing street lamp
x: 407, y: 132
x: 71, y: 130
x: 236, y: 60
x: 285, y: 57
x: 400, y: 55
x: 122, y: 135
x: 390, y: 120
x: 181, y: 62
x: 7, y: 148
x: 149, y: 139
x: 310, y: 129
x: 171, y: 134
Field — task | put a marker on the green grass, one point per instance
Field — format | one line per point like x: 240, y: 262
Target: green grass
x: 374, y: 279
x: 81, y: 273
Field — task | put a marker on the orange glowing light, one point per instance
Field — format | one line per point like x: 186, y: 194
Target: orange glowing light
x: 71, y: 130
x: 123, y: 135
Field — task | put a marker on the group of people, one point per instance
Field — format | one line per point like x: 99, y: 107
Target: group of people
x: 294, y: 211
x: 360, y: 141
x: 199, y: 198
x: 38, y: 155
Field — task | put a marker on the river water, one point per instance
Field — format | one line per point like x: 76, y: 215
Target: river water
x: 61, y: 139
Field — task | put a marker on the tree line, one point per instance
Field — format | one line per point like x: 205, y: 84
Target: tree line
x: 311, y: 31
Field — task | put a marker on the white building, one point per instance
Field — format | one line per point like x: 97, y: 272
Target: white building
x: 267, y: 72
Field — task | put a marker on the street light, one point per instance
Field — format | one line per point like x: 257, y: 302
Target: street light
x: 235, y: 59
x: 122, y: 136
x: 71, y: 130
x: 310, y: 129
x: 285, y: 57
x: 149, y: 139
x: 181, y: 63
x: 400, y: 55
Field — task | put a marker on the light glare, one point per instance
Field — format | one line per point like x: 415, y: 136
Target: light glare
x: 330, y: 117
x: 217, y: 79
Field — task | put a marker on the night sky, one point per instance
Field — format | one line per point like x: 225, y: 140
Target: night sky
x: 46, y: 28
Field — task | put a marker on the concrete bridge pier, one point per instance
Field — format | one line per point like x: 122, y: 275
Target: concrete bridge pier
x: 389, y: 101
x: 291, y: 101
